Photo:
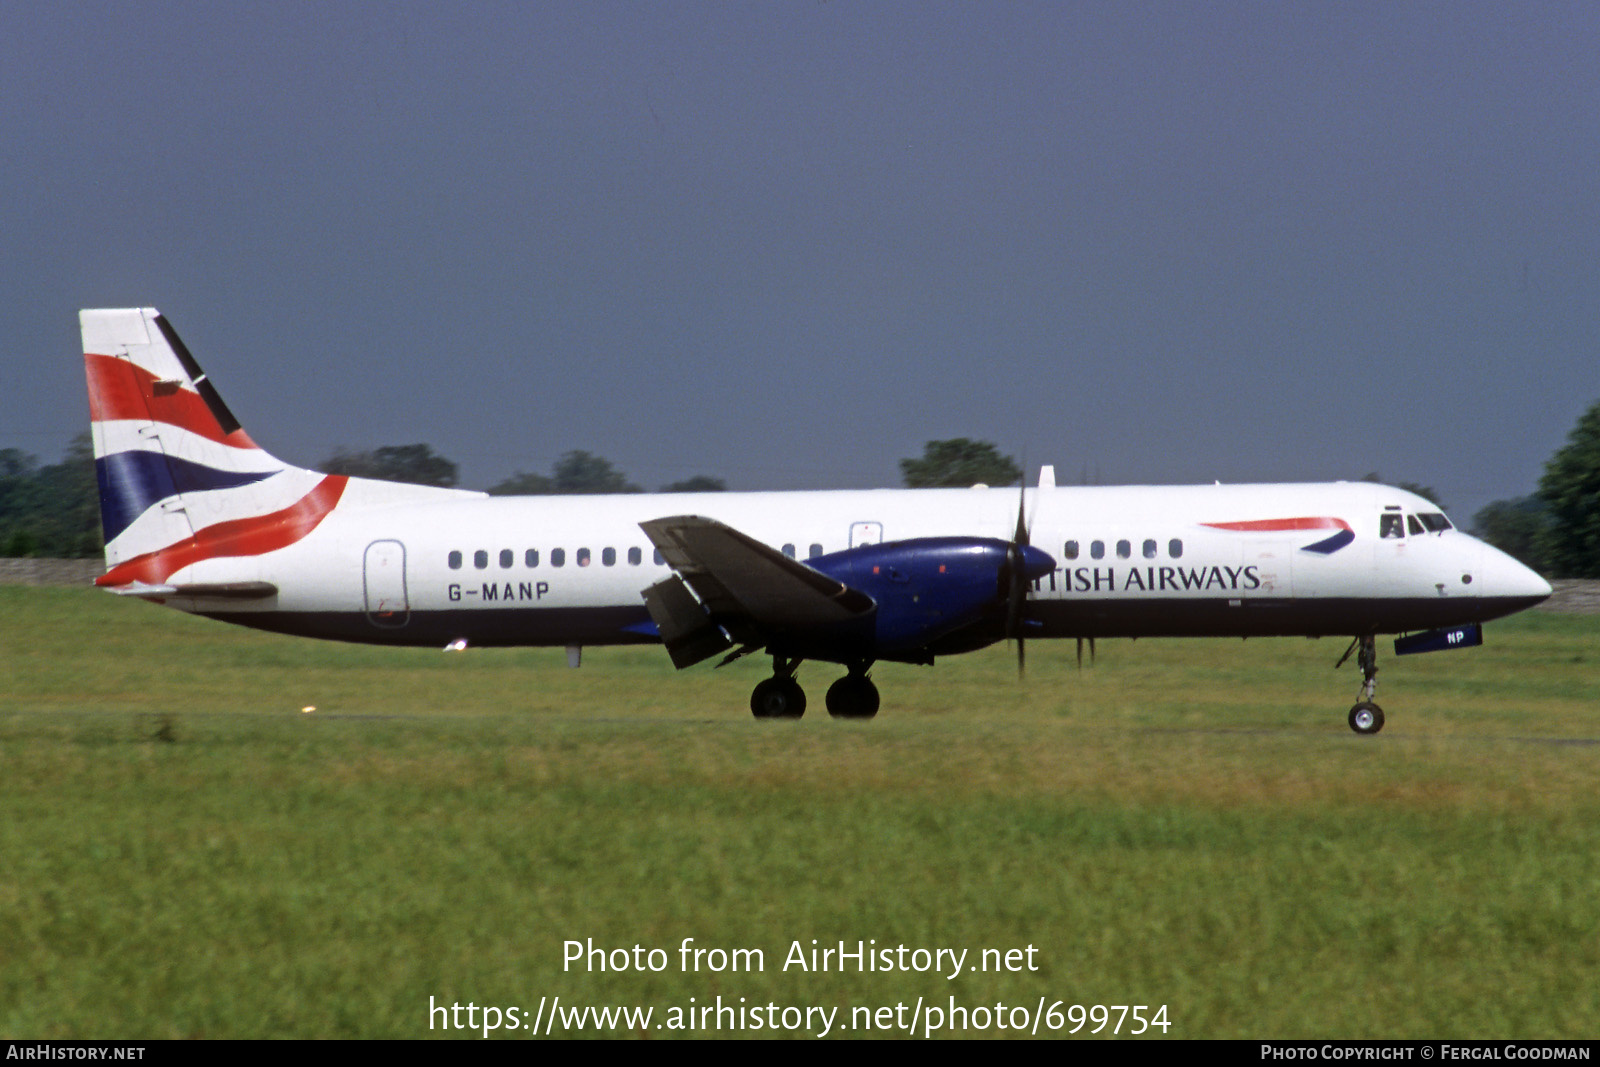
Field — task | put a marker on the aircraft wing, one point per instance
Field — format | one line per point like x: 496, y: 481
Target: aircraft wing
x: 746, y: 588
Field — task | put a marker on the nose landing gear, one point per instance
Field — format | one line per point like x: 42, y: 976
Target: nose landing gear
x: 1366, y: 717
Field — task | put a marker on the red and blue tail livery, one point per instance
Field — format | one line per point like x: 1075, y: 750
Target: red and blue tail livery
x: 185, y: 495
x: 198, y: 516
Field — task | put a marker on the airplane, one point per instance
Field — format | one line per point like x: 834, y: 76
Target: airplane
x: 198, y: 517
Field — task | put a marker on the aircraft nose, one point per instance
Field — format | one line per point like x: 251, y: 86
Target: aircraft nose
x: 1505, y: 578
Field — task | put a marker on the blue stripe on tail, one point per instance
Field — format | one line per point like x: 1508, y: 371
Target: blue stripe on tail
x: 132, y: 482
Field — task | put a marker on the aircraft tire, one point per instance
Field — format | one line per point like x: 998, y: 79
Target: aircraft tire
x: 853, y: 697
x: 778, y: 698
x: 1366, y: 718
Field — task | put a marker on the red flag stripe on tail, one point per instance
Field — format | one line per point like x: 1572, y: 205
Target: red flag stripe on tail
x: 119, y: 389
x: 238, y: 537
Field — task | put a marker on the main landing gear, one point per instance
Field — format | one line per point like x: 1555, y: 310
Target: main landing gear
x: 1366, y: 717
x: 780, y: 697
x: 853, y: 696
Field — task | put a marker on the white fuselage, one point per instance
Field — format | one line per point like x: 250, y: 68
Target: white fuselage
x: 1130, y: 561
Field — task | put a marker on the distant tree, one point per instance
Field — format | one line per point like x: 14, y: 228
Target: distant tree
x: 959, y: 461
x: 14, y: 462
x: 584, y: 472
x: 1517, y: 527
x: 523, y: 484
x: 575, y: 472
x: 1426, y: 492
x: 16, y: 496
x: 16, y: 467
x: 18, y: 544
x: 1570, y: 489
x: 700, y: 483
x: 417, y: 464
x: 50, y: 511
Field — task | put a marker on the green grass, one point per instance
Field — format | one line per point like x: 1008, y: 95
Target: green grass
x: 187, y: 854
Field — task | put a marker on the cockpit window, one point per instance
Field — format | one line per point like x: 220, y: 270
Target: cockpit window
x: 1413, y: 524
x: 1391, y: 525
x: 1435, y: 522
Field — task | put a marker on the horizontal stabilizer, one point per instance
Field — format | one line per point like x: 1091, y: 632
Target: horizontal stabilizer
x: 198, y: 590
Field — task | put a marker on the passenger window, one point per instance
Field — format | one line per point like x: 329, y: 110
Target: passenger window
x: 788, y: 550
x: 608, y: 556
x: 1070, y: 550
x: 530, y: 558
x: 558, y: 557
x: 507, y: 558
x: 455, y: 561
x: 635, y: 557
x: 1097, y: 549
x: 815, y: 551
x: 583, y: 557
x: 1175, y: 548
x: 657, y: 558
x: 480, y: 559
x: 1149, y: 550
x: 1124, y: 550
x: 1390, y: 526
x: 1413, y: 524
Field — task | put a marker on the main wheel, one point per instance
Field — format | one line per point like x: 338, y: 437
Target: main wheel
x: 778, y: 698
x: 1366, y: 718
x: 853, y: 697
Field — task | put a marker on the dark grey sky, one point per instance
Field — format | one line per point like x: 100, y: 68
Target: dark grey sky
x: 786, y: 244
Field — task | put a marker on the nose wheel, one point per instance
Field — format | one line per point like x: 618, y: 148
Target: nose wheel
x: 1366, y: 717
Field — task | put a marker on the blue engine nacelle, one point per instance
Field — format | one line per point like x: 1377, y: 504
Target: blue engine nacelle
x: 932, y: 588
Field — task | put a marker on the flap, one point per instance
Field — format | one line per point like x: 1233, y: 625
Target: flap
x: 738, y: 577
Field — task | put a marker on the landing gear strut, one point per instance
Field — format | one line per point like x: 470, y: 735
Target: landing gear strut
x: 779, y: 697
x: 853, y: 696
x: 1366, y: 717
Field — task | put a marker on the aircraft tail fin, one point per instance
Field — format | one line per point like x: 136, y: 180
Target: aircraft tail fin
x: 162, y: 434
x: 181, y: 483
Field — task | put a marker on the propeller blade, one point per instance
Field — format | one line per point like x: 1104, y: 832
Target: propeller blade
x: 1024, y: 565
x: 1017, y: 586
x: 1021, y: 536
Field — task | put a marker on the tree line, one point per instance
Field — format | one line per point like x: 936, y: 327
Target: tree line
x: 576, y: 472
x: 55, y: 510
x: 1555, y: 529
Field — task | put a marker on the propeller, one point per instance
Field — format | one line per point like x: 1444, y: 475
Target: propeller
x: 1017, y: 579
x: 1023, y: 565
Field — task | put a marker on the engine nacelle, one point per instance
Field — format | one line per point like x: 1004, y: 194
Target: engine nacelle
x: 931, y: 588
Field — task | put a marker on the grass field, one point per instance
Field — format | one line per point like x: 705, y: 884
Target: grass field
x: 1191, y: 824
